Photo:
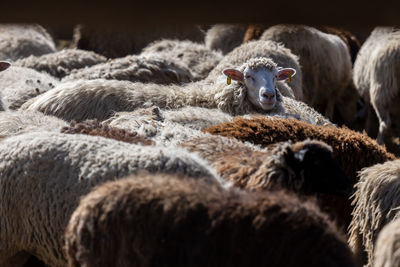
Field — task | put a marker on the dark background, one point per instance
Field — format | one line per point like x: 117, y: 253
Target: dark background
x: 61, y: 16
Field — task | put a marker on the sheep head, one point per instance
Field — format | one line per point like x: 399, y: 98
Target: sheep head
x: 316, y: 169
x: 4, y: 65
x: 259, y: 76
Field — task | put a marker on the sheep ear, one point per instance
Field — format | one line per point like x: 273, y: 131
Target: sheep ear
x: 299, y: 155
x: 4, y: 65
x: 286, y: 73
x: 235, y: 75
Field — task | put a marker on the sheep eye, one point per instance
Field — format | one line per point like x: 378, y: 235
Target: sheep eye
x: 249, y: 77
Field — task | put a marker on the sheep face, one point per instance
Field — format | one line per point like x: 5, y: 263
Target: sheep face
x: 260, y: 83
x: 4, y: 65
x: 319, y: 172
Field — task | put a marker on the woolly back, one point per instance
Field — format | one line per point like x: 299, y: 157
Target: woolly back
x: 22, y: 40
x: 60, y: 64
x: 96, y: 128
x: 376, y: 203
x: 387, y: 251
x: 200, y: 225
x: 319, y: 53
x: 199, y: 59
x: 353, y: 150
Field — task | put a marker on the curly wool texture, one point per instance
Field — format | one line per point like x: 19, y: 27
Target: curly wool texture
x: 19, y: 84
x: 306, y: 168
x: 142, y: 210
x: 196, y: 57
x: 19, y: 122
x: 43, y: 175
x: 192, y: 117
x: 114, y: 43
x: 95, y: 128
x: 61, y: 63
x: 303, y: 112
x: 325, y: 62
x: 22, y: 40
x: 282, y: 56
x: 98, y: 99
x: 225, y: 37
x: 353, y: 150
x: 135, y: 69
x: 250, y: 167
x: 387, y: 248
x: 376, y: 203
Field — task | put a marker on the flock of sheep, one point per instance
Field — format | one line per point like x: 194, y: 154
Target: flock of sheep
x: 229, y: 145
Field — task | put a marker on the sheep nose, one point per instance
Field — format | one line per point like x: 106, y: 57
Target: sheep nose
x: 268, y: 95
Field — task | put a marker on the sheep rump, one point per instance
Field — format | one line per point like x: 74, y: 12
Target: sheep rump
x: 19, y: 84
x: 116, y: 43
x: 353, y: 150
x: 325, y: 60
x: 387, y: 249
x: 376, y: 72
x: 224, y: 37
x: 194, y: 56
x: 22, y: 40
x: 19, y: 122
x: 43, y: 175
x: 135, y: 69
x: 61, y: 63
x: 376, y: 204
x: 216, y: 221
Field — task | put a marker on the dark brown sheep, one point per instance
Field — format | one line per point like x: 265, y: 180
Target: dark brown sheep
x: 353, y: 150
x: 167, y: 221
x: 95, y: 128
x: 306, y: 168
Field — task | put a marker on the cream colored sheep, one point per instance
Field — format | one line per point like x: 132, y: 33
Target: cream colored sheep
x: 326, y: 65
x: 199, y: 59
x: 44, y: 174
x: 376, y: 203
x: 61, y: 63
x: 376, y: 76
x: 19, y: 84
x: 252, y: 90
x: 22, y: 40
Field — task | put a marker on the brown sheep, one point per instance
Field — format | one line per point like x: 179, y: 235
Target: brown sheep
x: 353, y: 150
x: 299, y: 167
x: 285, y: 165
x: 95, y: 128
x: 162, y: 220
x: 307, y: 168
